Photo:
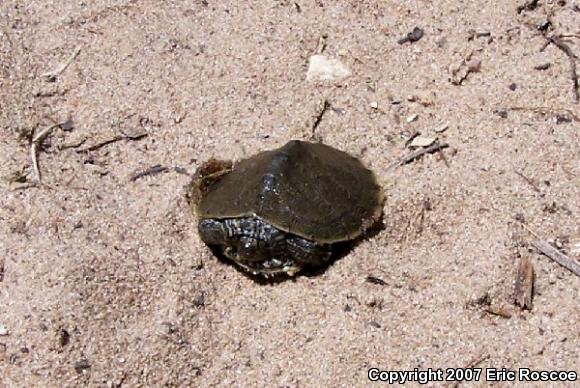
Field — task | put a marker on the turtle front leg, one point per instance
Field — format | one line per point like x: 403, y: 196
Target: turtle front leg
x: 308, y: 253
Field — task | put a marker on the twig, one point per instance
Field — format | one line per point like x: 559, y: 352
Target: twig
x: 418, y: 153
x: 554, y: 254
x: 528, y: 181
x: 36, y: 144
x: 113, y: 140
x: 157, y: 169
x: 560, y: 258
x: 73, y: 145
x: 440, y: 150
x: 51, y: 76
x: 545, y: 110
x: 556, y: 41
x: 318, y: 116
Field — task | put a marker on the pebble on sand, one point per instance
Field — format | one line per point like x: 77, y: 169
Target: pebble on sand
x: 421, y: 141
x: 3, y: 330
x: 323, y: 68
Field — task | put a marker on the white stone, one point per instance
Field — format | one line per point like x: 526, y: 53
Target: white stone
x: 421, y: 141
x: 323, y: 68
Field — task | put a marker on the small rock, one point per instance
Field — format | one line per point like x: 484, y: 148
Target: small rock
x: 82, y: 366
x: 323, y: 68
x: 474, y: 65
x: 199, y: 300
x: 501, y: 113
x: 513, y: 86
x: 442, y: 128
x: 375, y: 105
x: 427, y: 98
x: 412, y: 36
x: 421, y: 141
x: 63, y: 337
x: 412, y: 118
x: 68, y: 125
x: 543, y: 66
x: 3, y: 330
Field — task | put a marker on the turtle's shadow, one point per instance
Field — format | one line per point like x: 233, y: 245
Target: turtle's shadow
x: 343, y: 249
x: 339, y: 250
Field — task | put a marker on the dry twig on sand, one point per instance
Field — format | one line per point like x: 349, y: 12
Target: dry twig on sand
x: 544, y: 110
x: 51, y: 76
x: 558, y: 42
x: 560, y: 258
x: 154, y: 170
x: 528, y: 181
x: 548, y: 250
x: 36, y: 144
x: 418, y: 153
x: 321, y: 110
x: 115, y: 139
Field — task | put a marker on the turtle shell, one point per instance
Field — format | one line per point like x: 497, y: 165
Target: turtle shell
x: 308, y: 189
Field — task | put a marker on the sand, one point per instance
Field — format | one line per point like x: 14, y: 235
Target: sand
x: 104, y: 279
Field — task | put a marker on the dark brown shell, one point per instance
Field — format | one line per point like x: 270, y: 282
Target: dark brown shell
x: 308, y: 189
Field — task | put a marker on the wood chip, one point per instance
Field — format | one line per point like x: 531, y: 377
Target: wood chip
x: 524, y: 288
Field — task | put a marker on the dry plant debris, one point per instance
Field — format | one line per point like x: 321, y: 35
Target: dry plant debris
x: 460, y: 72
x: 418, y: 153
x: 524, y: 288
x: 52, y: 75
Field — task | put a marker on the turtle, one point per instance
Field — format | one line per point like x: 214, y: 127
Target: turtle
x: 286, y: 209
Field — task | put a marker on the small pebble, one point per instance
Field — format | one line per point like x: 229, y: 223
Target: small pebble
x: 412, y: 118
x: 375, y: 105
x: 3, y: 330
x: 442, y: 128
x: 412, y: 36
x: 421, y: 141
x: 543, y: 66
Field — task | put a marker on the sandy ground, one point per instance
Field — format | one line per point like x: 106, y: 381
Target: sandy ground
x: 104, y: 280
